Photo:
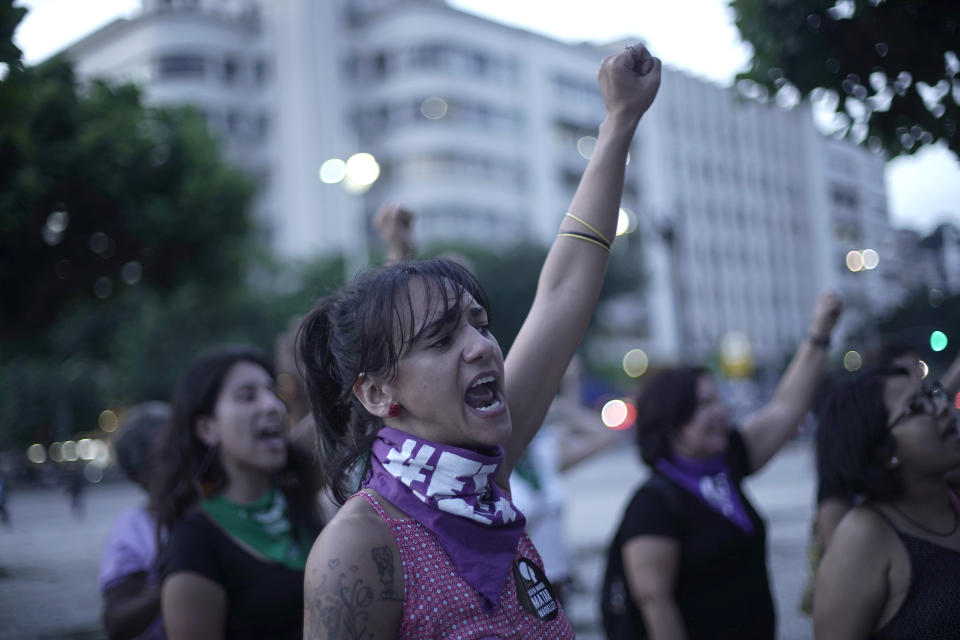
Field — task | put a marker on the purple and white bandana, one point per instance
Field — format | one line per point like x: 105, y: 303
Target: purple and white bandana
x: 451, y: 491
x: 710, y: 481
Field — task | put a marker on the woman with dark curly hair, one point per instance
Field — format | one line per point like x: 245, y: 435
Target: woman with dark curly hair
x: 238, y: 501
x: 689, y: 557
x: 891, y: 568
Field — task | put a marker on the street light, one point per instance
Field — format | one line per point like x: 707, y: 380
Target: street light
x: 356, y: 175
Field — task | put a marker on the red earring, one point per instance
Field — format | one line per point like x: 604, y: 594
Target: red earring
x: 394, y: 410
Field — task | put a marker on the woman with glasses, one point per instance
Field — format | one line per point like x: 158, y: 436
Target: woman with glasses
x: 891, y: 568
x: 833, y: 500
x: 689, y: 558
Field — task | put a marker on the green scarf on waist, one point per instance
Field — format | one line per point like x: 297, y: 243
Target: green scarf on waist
x: 264, y: 525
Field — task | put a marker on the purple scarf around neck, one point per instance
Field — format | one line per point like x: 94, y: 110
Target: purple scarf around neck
x: 451, y: 491
x: 710, y: 480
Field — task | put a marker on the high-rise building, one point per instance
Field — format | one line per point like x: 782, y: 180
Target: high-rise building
x: 741, y: 212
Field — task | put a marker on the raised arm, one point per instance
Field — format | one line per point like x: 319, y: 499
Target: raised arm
x: 572, y: 274
x: 778, y: 420
x: 395, y: 226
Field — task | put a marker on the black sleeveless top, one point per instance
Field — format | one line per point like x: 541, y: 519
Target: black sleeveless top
x: 722, y: 590
x: 931, y: 610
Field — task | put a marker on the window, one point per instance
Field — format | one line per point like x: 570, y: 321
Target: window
x: 262, y: 126
x: 844, y: 196
x: 260, y: 71
x: 180, y: 66
x: 230, y: 68
x: 233, y: 122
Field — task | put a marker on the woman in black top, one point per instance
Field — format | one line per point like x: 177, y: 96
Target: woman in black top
x: 238, y: 500
x: 891, y: 569
x: 689, y: 559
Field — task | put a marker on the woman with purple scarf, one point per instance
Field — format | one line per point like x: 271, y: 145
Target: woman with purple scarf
x: 417, y: 408
x: 689, y: 558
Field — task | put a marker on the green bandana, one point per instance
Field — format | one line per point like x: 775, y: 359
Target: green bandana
x: 263, y: 525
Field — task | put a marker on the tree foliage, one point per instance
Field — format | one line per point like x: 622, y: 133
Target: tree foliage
x: 119, y: 226
x: 98, y: 193
x: 10, y: 17
x: 913, y: 322
x: 892, y: 64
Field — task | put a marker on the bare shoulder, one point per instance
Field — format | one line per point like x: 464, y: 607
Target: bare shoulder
x: 860, y: 552
x: 858, y: 557
x: 353, y: 585
x: 853, y: 587
x: 865, y: 528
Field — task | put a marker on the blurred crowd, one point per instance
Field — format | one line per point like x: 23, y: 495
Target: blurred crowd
x: 389, y: 472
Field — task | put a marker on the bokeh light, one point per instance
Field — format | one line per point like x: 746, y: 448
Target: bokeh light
x: 631, y: 219
x: 956, y: 400
x: 103, y: 287
x: 618, y: 415
x: 99, y: 243
x: 131, y: 272
x: 924, y: 369
x: 586, y: 146
x: 108, y: 421
x: 362, y: 169
x: 854, y: 260
x: 69, y: 451
x: 85, y: 449
x: 936, y: 298
x: 56, y: 224
x: 54, y: 452
x: 101, y: 454
x: 852, y: 361
x: 870, y: 259
x: 635, y: 363
x: 938, y: 341
x: 626, y: 222
x: 36, y: 453
x: 92, y: 472
x: 333, y: 171
x: 736, y: 354
x: 433, y: 108
x: 58, y: 220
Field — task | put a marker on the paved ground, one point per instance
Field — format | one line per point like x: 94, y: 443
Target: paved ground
x: 49, y: 559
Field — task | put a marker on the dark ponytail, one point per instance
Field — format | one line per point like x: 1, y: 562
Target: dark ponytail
x: 344, y: 427
x: 367, y: 327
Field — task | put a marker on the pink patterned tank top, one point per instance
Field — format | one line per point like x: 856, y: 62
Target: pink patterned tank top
x: 437, y: 603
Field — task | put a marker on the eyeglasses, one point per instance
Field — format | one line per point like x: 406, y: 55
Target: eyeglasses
x: 923, y: 403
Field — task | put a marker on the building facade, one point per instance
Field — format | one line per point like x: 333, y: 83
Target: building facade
x: 739, y: 212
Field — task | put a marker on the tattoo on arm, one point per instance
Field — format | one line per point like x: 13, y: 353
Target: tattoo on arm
x: 339, y: 611
x: 383, y: 558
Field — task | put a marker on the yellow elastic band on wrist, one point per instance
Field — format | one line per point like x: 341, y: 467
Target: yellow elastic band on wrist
x: 586, y: 238
x: 589, y: 226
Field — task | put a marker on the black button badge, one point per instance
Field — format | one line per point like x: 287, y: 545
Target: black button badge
x: 533, y: 590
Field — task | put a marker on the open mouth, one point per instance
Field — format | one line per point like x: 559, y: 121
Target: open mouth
x: 484, y: 394
x: 270, y: 434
